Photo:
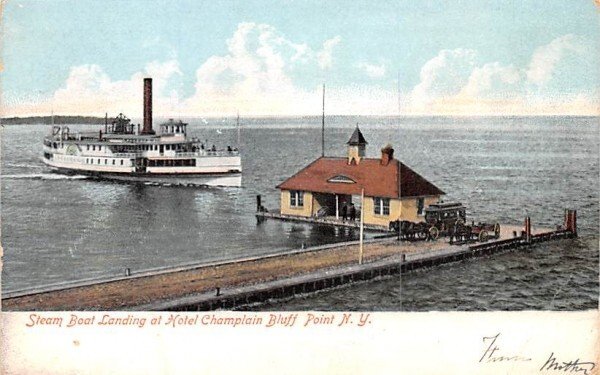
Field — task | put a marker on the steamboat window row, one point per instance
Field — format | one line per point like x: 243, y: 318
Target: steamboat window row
x: 99, y: 161
x: 172, y: 163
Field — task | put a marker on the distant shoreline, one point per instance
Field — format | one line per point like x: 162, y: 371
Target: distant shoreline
x: 47, y: 120
x: 93, y: 120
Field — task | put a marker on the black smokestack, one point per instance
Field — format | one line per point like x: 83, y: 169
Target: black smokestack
x: 147, y: 107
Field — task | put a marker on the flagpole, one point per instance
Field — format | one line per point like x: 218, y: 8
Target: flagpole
x: 400, y: 193
x: 323, y: 126
x: 362, y: 217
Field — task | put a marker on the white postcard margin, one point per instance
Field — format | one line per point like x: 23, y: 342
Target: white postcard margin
x: 300, y: 343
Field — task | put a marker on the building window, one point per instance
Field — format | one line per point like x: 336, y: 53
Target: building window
x: 98, y: 161
x: 88, y: 147
x: 342, y: 179
x: 99, y: 148
x: 121, y: 161
x: 381, y: 206
x: 420, y: 205
x: 296, y: 198
x: 114, y: 161
x: 94, y: 148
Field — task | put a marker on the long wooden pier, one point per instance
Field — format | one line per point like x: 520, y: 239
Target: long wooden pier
x: 248, y: 281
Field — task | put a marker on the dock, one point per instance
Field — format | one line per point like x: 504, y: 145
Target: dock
x: 326, y: 220
x: 242, y: 283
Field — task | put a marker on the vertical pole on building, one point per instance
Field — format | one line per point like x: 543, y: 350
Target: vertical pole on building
x: 362, y: 219
x: 323, y: 126
x: 337, y: 207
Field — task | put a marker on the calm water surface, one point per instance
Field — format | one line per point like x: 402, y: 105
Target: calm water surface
x: 57, y: 228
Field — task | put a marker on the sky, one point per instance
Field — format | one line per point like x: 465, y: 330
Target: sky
x: 271, y: 58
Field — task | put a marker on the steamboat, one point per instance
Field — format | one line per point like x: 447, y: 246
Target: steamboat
x: 122, y: 151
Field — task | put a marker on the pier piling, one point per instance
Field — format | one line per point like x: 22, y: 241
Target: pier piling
x: 571, y: 221
x: 528, y: 229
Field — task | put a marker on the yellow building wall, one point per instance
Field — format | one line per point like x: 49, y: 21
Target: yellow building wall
x: 407, y: 207
x: 384, y: 220
x: 305, y: 210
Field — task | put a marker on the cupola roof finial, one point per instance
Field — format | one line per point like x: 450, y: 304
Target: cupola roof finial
x: 357, y: 138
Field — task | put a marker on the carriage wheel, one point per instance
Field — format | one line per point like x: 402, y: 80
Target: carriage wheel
x: 497, y: 230
x: 483, y: 236
x: 434, y: 233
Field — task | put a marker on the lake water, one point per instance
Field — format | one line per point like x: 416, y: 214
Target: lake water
x: 57, y: 228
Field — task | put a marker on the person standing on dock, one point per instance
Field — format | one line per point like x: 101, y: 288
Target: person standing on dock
x: 344, y: 211
x: 352, y: 212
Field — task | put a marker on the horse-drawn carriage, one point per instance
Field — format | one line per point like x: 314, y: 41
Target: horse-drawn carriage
x: 445, y: 219
x: 408, y: 230
x: 475, y: 232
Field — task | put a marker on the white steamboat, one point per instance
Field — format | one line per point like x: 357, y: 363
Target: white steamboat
x: 121, y: 151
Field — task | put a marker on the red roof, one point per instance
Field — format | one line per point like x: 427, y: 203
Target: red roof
x: 378, y: 180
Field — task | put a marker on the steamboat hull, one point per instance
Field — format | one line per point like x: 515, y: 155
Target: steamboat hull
x: 217, y: 179
x: 207, y: 179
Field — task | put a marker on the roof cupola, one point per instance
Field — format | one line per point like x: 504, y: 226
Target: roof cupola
x: 356, y: 147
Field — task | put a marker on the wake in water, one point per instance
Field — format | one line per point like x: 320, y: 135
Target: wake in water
x: 28, y: 166
x: 43, y: 176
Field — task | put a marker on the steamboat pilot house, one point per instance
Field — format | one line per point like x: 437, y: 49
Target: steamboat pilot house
x: 392, y: 190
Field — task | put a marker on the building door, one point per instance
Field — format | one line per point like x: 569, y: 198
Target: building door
x: 162, y: 149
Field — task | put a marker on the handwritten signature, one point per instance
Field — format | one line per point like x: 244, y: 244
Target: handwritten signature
x: 494, y: 353
x: 568, y: 366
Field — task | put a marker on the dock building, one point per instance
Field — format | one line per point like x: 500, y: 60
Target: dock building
x: 392, y: 190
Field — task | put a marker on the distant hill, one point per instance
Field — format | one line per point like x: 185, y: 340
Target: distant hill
x: 46, y: 120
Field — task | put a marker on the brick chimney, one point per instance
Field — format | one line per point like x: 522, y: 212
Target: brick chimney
x: 147, y: 107
x: 387, y: 155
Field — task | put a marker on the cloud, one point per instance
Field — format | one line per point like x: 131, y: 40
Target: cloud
x: 254, y: 75
x: 89, y: 90
x: 373, y: 70
x: 325, y: 56
x: 444, y: 75
x: 258, y: 75
x: 453, y: 83
x: 491, y: 80
x: 545, y: 58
